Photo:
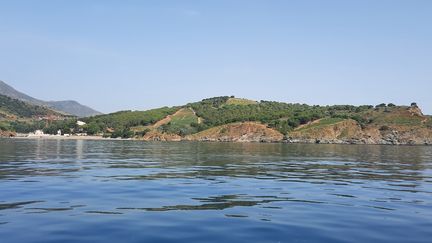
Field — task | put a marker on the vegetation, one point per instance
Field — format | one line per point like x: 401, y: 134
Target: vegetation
x: 198, y: 116
x: 125, y: 119
x: 23, y: 126
x: 112, y: 125
x: 429, y: 122
x: 323, y: 122
x: 23, y: 117
x: 21, y: 109
x: 281, y: 116
x: 239, y: 101
x: 5, y: 126
x: 66, y: 126
x: 184, y: 122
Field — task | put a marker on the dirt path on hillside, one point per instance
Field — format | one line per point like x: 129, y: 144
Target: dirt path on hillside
x: 166, y: 120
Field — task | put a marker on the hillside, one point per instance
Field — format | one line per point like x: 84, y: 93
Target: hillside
x: 68, y: 107
x: 240, y: 120
x: 13, y: 109
x: 389, y: 125
x: 20, y: 116
x: 238, y: 132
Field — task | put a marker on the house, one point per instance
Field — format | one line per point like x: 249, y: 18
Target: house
x: 39, y: 133
x: 80, y: 123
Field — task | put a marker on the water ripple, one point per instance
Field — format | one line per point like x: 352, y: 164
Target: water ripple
x: 99, y: 191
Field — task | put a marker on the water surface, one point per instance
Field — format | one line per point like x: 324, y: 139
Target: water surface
x: 129, y: 191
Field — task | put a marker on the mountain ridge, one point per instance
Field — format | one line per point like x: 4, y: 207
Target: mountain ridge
x: 67, y: 106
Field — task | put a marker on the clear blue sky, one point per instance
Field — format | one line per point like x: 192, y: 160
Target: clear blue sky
x: 115, y: 55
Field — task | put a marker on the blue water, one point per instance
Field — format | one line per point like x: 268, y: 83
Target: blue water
x: 130, y: 191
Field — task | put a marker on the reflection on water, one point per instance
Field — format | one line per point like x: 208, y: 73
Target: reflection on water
x: 252, y: 192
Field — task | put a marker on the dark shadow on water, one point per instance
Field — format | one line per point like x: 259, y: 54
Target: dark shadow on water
x: 4, y: 206
x: 223, y: 202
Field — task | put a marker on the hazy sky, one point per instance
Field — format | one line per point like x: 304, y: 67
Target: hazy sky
x: 115, y: 55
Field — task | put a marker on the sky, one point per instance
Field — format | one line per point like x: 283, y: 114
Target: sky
x: 121, y: 55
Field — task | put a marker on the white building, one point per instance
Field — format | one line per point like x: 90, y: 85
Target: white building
x: 80, y: 123
x: 39, y: 133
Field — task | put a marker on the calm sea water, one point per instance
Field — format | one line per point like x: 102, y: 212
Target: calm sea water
x: 128, y: 191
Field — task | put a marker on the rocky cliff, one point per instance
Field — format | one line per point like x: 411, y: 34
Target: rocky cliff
x: 410, y: 128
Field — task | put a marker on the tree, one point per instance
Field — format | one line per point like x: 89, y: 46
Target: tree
x: 125, y: 133
x: 391, y: 105
x: 93, y: 128
x: 414, y: 104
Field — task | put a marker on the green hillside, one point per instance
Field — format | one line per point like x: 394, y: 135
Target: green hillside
x: 13, y: 108
x: 208, y: 113
x: 183, y: 122
x: 23, y: 117
x: 281, y: 116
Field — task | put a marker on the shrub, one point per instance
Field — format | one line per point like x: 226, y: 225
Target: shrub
x: 384, y: 128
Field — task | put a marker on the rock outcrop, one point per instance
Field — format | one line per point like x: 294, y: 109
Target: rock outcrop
x: 7, y: 134
x: 238, y: 132
x: 350, y: 132
x: 158, y: 136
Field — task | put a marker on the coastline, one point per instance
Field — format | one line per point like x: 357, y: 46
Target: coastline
x: 293, y: 141
x: 53, y: 137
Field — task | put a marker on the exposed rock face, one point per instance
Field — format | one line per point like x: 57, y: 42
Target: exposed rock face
x: 7, y: 134
x: 350, y: 132
x: 344, y: 132
x: 415, y: 111
x: 238, y: 132
x: 158, y: 136
x: 344, y: 129
x: 405, y: 135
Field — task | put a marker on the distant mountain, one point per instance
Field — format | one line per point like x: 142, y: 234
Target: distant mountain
x: 7, y: 90
x: 73, y: 107
x: 69, y: 106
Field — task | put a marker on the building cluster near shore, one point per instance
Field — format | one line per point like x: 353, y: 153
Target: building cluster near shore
x: 40, y: 133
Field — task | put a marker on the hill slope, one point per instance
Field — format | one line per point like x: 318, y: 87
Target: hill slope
x: 12, y: 109
x: 23, y: 117
x: 390, y: 125
x: 238, y: 132
x: 69, y: 107
x: 240, y: 120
